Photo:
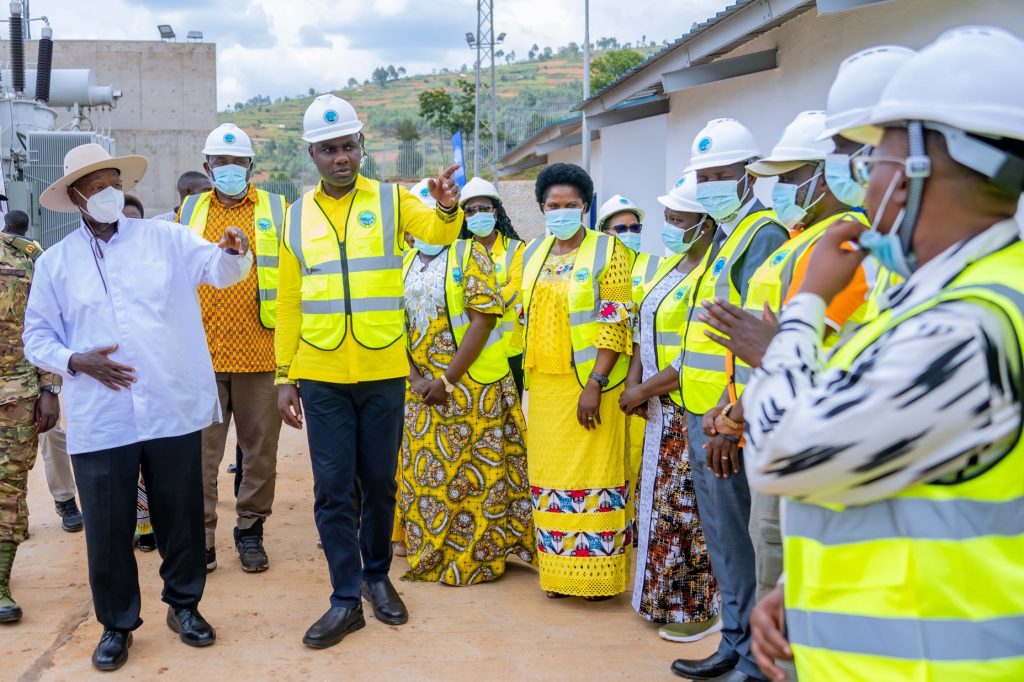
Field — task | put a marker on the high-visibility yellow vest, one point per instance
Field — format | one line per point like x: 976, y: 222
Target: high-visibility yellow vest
x: 268, y: 219
x: 356, y: 282
x: 926, y: 585
x: 592, y: 257
x: 703, y: 377
x: 643, y: 267
x: 770, y: 283
x: 511, y: 329
x: 492, y: 364
x: 884, y: 280
x: 670, y: 316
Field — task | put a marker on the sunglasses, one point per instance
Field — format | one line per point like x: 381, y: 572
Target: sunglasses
x: 473, y: 210
x: 622, y: 229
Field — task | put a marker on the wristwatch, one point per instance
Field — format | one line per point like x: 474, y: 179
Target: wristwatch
x: 51, y: 388
x: 448, y: 386
x: 601, y: 379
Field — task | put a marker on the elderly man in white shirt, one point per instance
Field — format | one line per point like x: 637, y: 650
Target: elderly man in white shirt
x: 114, y: 309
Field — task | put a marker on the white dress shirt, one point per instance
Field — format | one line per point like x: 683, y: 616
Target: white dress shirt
x: 138, y: 292
x: 934, y: 399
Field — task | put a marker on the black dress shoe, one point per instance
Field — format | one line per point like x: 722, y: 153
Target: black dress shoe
x: 706, y: 668
x: 333, y: 626
x: 112, y: 651
x: 190, y: 626
x: 387, y: 605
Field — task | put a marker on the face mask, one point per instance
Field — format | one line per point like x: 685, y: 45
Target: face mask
x: 630, y: 239
x: 787, y: 210
x: 674, y: 238
x: 481, y: 224
x: 230, y: 180
x: 105, y: 206
x: 427, y: 249
x: 887, y: 248
x: 720, y: 198
x: 841, y: 182
x: 563, y: 222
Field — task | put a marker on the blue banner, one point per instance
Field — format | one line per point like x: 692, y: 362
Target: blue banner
x: 460, y: 158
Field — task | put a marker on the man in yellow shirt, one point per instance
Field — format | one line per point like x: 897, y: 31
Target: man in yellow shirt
x: 341, y: 360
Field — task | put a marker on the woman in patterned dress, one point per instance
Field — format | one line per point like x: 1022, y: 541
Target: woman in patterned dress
x: 463, y: 497
x: 673, y: 583
x: 577, y: 303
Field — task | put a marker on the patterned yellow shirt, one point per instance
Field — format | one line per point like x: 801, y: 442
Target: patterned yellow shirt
x: 238, y: 341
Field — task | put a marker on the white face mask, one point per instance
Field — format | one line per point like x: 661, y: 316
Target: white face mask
x: 105, y: 206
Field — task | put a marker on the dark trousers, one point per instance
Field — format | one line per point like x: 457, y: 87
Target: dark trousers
x: 724, y: 506
x: 515, y: 364
x: 108, y: 487
x: 355, y: 432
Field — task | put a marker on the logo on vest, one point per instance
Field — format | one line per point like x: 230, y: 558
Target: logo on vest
x: 367, y: 218
x: 331, y: 116
x: 778, y: 258
x: 636, y: 280
x: 229, y: 138
x: 457, y: 275
x: 704, y: 146
x: 719, y: 266
x: 263, y: 224
x: 681, y: 293
x: 497, y: 267
x: 582, y: 275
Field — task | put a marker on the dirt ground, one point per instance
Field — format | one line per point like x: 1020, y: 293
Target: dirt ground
x: 506, y: 630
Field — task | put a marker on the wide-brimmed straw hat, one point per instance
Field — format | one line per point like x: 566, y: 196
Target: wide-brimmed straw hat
x: 86, y: 159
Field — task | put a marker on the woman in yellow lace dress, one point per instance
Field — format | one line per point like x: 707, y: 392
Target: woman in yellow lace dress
x: 577, y: 304
x: 463, y: 496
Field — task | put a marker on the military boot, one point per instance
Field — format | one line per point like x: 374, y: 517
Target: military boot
x: 10, y: 612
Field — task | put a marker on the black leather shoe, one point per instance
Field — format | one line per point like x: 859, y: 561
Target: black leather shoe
x: 190, y: 626
x: 333, y: 626
x: 112, y: 651
x: 387, y: 605
x: 706, y: 668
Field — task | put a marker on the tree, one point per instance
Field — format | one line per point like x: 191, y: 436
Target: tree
x: 532, y: 54
x: 548, y: 54
x: 392, y: 74
x: 607, y: 68
x: 380, y: 76
x: 401, y: 71
x: 353, y: 83
x: 510, y: 58
x: 406, y: 131
x: 570, y: 50
x: 312, y: 92
x: 449, y: 113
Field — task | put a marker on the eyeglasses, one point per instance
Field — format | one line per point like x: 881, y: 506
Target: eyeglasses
x: 473, y: 210
x: 913, y: 167
x: 621, y: 229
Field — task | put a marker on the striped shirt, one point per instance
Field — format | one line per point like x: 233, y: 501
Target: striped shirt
x: 937, y: 398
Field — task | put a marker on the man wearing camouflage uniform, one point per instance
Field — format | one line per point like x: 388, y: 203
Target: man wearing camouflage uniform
x: 28, y: 407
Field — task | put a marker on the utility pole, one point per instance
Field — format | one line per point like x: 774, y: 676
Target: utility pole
x: 476, y: 101
x: 484, y: 42
x: 586, y: 83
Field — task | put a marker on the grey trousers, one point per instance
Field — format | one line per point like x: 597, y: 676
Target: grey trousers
x: 53, y: 446
x: 724, y: 505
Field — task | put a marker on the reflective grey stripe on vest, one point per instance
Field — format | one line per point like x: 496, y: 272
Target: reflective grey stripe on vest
x: 723, y: 284
x: 904, y: 517
x: 460, y: 320
x: 741, y: 374
x: 507, y: 327
x: 276, y: 209
x: 652, y: 268
x: 295, y: 233
x: 586, y: 355
x: 266, y: 261
x: 510, y: 253
x: 188, y: 207
x: 708, y: 361
x: 908, y: 638
x: 668, y: 339
x: 268, y: 294
x: 531, y: 249
x: 360, y: 305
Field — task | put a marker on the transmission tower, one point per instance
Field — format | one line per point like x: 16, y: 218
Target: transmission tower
x: 485, y: 41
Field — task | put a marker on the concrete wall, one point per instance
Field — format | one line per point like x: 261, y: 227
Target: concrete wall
x: 168, y: 108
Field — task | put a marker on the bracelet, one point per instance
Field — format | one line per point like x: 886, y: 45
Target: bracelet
x: 724, y: 415
x: 449, y: 387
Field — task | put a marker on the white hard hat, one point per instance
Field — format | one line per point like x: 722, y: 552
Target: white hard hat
x: 799, y: 145
x: 857, y: 87
x: 328, y: 117
x: 421, y: 190
x: 683, y: 196
x: 478, y: 187
x: 722, y: 142
x: 970, y: 79
x: 228, y: 139
x: 617, y: 204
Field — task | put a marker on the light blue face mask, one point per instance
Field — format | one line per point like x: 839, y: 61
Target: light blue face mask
x: 784, y: 203
x: 887, y: 248
x: 427, y: 249
x: 630, y: 239
x: 563, y: 222
x: 720, y: 198
x: 840, y: 181
x: 674, y: 238
x: 230, y: 179
x: 481, y: 224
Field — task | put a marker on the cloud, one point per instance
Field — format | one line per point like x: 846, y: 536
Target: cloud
x: 311, y: 36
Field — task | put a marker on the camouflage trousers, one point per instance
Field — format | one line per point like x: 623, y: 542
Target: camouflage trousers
x: 17, y: 455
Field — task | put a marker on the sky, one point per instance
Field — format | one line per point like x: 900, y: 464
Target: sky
x: 285, y: 47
